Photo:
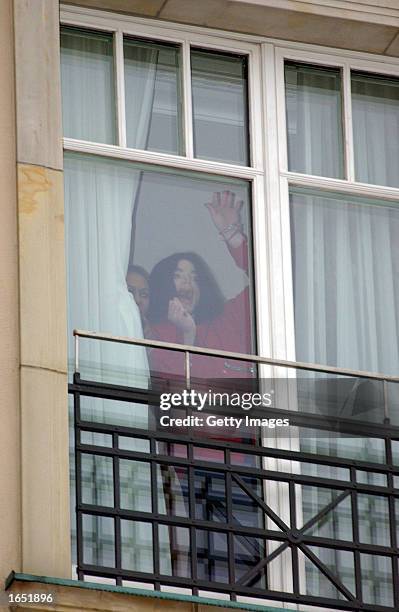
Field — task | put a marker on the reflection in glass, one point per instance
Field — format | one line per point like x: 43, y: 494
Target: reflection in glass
x: 87, y: 75
x: 248, y: 552
x: 220, y: 113
x: 341, y: 565
x: 212, y: 557
x: 134, y: 444
x: 95, y: 439
x: 175, y: 546
x: 346, y: 446
x: 173, y: 490
x: 114, y: 412
x: 152, y: 90
x: 314, y: 122
x: 210, y: 496
x: 373, y: 512
x: 135, y: 485
x: 345, y: 255
x: 377, y: 580
x: 245, y: 510
x: 372, y: 478
x: 336, y: 524
x: 192, y: 236
x: 136, y: 546
x: 97, y: 480
x: 375, y: 112
x: 98, y: 540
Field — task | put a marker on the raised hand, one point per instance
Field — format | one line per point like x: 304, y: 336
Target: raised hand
x: 225, y: 210
x: 183, y: 320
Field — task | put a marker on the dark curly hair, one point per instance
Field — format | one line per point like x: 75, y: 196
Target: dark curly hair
x: 162, y: 289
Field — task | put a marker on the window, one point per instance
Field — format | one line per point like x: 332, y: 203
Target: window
x: 343, y: 246
x: 164, y: 214
x: 225, y: 193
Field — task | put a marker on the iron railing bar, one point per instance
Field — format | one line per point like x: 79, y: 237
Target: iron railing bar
x: 393, y: 507
x: 238, y: 530
x: 356, y: 537
x: 241, y: 470
x: 297, y: 365
x: 342, y: 426
x: 293, y: 545
x: 350, y: 606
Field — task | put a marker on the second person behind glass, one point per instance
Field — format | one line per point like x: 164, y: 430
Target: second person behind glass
x: 188, y: 307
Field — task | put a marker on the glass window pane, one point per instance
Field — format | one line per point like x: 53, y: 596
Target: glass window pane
x: 340, y: 563
x: 220, y: 107
x: 373, y: 514
x: 174, y: 558
x: 314, y: 122
x: 212, y: 556
x: 97, y: 480
x: 87, y: 74
x: 135, y: 485
x: 98, y: 540
x: 153, y: 96
x: 136, y: 546
x: 95, y: 439
x: 183, y: 237
x: 346, y: 287
x: 377, y: 579
x: 375, y: 111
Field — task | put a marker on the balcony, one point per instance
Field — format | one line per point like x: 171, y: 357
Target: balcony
x: 305, y: 514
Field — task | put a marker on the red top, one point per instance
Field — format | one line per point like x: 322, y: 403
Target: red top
x: 230, y: 331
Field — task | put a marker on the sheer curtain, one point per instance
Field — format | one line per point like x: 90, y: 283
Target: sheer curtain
x: 313, y: 109
x: 140, y: 75
x: 375, y: 111
x: 87, y: 76
x: 346, y: 295
x: 345, y: 254
x: 100, y: 195
x: 346, y: 288
x: 99, y: 203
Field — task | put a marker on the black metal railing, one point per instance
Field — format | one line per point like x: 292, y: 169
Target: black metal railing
x: 179, y: 508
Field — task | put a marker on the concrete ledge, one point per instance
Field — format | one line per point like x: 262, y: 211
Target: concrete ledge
x: 361, y: 25
x: 74, y: 596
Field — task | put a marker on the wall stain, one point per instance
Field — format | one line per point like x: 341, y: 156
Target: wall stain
x: 33, y: 180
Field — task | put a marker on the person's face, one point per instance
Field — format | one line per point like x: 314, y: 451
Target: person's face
x: 138, y: 286
x: 186, y: 285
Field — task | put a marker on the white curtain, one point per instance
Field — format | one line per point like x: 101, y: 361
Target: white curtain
x: 346, y: 293
x: 346, y: 288
x: 140, y: 77
x: 375, y: 111
x: 100, y: 195
x: 87, y: 75
x: 313, y: 106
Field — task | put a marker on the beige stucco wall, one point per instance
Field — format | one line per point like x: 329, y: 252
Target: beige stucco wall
x: 10, y: 515
x: 42, y: 314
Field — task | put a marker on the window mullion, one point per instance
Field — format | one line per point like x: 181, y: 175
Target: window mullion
x: 187, y: 101
x: 281, y: 114
x: 120, y: 87
x: 347, y: 117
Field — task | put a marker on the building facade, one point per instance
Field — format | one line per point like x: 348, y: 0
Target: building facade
x: 224, y: 177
